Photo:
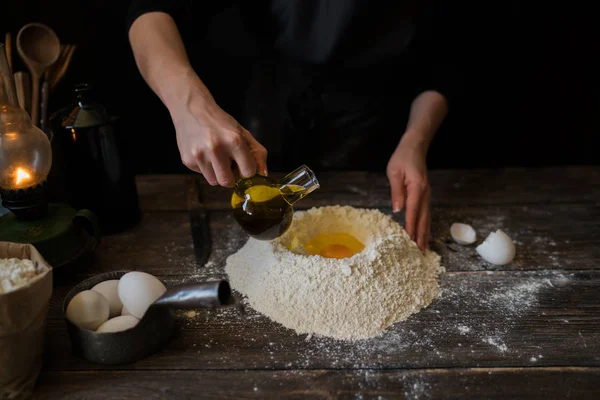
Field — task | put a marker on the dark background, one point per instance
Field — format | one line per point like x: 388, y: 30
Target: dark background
x: 531, y: 95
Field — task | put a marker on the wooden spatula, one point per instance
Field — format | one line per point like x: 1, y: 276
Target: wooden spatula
x: 57, y: 71
x: 23, y: 86
x: 8, y: 49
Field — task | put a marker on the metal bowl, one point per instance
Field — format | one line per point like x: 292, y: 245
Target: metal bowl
x: 153, y: 332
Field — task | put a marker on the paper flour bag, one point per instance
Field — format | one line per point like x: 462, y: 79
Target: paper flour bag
x: 24, y: 297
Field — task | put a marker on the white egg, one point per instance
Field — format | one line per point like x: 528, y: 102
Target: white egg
x: 497, y: 248
x: 138, y: 290
x: 125, y: 311
x: 118, y: 324
x: 463, y: 233
x: 88, y: 310
x: 110, y: 290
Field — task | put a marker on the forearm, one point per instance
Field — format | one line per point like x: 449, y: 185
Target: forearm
x: 162, y: 60
x: 427, y: 113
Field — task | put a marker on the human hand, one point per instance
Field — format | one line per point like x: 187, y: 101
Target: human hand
x: 209, y: 139
x: 407, y: 173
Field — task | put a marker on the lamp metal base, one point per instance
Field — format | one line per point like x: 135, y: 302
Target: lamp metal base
x: 61, y: 236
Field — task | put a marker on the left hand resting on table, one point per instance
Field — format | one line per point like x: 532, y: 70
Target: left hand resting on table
x: 407, y: 173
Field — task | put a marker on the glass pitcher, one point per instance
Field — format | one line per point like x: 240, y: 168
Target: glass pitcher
x: 263, y: 207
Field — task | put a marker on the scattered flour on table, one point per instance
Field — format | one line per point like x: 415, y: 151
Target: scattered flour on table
x: 516, y: 299
x: 417, y: 389
x: 497, y: 343
x: 434, y: 334
x: 464, y: 329
x: 348, y: 299
x: 461, y: 312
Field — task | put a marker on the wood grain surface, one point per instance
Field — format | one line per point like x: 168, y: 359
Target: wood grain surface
x: 472, y: 383
x: 480, y: 320
x: 449, y: 187
x: 530, y: 329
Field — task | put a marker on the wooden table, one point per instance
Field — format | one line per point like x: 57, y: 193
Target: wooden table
x: 530, y: 329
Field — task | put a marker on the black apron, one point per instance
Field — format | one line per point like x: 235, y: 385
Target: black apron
x: 331, y: 98
x: 327, y: 119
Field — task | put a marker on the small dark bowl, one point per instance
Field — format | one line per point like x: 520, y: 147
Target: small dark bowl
x: 150, y: 335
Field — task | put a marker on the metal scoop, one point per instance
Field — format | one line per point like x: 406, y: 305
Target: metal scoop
x: 153, y: 331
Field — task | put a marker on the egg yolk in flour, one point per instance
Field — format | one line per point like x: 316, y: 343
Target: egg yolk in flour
x: 334, y: 245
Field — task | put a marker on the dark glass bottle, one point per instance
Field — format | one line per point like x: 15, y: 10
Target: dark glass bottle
x: 90, y: 162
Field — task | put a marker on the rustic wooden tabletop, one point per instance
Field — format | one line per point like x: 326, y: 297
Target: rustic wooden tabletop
x: 530, y: 329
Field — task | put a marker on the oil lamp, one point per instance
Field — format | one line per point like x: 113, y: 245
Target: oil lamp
x: 59, y: 232
x: 25, y: 159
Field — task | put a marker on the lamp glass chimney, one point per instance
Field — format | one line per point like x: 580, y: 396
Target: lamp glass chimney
x: 25, y: 152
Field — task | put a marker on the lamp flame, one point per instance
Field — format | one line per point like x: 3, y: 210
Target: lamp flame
x: 22, y: 176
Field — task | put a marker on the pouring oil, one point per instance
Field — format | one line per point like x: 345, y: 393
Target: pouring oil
x: 260, y: 209
x: 263, y: 207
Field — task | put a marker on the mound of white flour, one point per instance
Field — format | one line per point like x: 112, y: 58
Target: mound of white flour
x: 348, y: 299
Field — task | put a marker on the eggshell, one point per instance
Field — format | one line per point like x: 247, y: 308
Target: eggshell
x: 110, y: 290
x: 138, y: 290
x: 88, y: 310
x: 125, y: 311
x: 497, y: 249
x: 118, y: 324
x: 463, y: 233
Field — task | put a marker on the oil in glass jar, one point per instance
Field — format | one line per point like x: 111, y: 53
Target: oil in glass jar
x: 263, y: 207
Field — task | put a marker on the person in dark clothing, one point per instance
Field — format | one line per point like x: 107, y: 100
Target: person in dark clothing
x: 339, y: 83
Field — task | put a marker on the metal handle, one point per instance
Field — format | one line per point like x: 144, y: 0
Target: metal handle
x: 214, y: 294
x: 89, y: 222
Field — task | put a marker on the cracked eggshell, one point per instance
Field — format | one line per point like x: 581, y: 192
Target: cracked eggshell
x: 463, y: 233
x: 497, y: 249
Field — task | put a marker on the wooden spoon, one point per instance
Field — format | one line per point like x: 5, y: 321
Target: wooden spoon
x: 39, y: 48
x: 55, y: 73
x: 23, y: 86
x: 44, y: 106
x: 8, y: 48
